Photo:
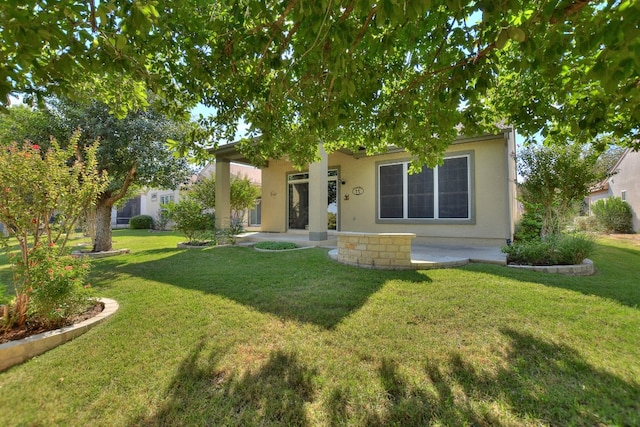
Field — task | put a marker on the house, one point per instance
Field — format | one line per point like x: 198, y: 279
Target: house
x: 146, y: 203
x: 468, y: 200
x: 149, y: 202
x: 623, y: 184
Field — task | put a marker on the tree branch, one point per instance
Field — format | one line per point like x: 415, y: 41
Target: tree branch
x: 128, y: 180
x: 277, y: 25
x: 347, y: 12
x: 363, y: 28
x: 572, y: 9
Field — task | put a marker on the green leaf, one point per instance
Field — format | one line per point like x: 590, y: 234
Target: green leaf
x: 516, y: 34
x: 502, y: 39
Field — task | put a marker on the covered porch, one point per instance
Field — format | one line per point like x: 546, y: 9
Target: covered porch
x: 313, y: 222
x: 423, y: 256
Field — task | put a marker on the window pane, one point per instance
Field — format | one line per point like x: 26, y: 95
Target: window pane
x: 298, y: 176
x: 420, y: 194
x: 391, y: 200
x: 453, y: 188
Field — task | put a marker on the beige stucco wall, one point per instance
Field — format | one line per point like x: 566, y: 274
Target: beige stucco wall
x: 493, y: 177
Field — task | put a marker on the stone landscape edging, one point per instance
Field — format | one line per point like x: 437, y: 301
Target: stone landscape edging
x: 585, y: 269
x: 15, y: 352
x: 102, y: 254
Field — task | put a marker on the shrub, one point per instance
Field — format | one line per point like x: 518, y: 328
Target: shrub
x: 163, y: 219
x: 531, y: 252
x: 585, y: 223
x: 572, y: 249
x: 555, y: 250
x: 56, y: 285
x: 613, y: 215
x: 530, y: 225
x: 190, y: 219
x: 141, y: 222
x: 44, y: 287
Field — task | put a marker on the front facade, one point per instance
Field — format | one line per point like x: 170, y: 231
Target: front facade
x: 469, y: 199
x: 623, y: 184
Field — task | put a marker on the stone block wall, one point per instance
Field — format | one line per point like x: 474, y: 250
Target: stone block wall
x: 375, y: 250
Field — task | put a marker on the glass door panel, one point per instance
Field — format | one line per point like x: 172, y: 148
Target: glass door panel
x: 332, y: 205
x: 298, y: 205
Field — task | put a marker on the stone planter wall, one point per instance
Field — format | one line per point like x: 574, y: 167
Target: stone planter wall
x: 584, y: 269
x: 14, y: 352
x: 375, y: 250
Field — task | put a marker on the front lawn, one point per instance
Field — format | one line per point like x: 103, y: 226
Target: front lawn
x: 233, y: 336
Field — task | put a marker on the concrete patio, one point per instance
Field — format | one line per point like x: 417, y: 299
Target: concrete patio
x: 422, y: 256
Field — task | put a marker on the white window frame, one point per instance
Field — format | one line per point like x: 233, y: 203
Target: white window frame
x: 168, y: 197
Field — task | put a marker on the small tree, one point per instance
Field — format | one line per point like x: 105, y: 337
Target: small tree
x: 243, y: 196
x: 189, y: 218
x: 204, y: 192
x: 43, y: 194
x: 556, y: 178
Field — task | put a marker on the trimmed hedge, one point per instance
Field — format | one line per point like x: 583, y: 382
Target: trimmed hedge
x: 141, y: 222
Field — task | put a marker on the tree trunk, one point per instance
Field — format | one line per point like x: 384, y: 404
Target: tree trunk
x: 102, y: 241
x: 90, y: 223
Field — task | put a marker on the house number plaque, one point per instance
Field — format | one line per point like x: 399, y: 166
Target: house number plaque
x: 357, y: 190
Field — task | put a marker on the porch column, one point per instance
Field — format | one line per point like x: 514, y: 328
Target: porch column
x: 318, y: 196
x: 223, y: 193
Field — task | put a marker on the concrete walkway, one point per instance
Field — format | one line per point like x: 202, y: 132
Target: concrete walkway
x: 422, y: 256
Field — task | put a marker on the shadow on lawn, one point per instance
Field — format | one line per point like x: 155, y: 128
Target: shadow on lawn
x: 538, y: 383
x: 302, y: 285
x: 203, y: 394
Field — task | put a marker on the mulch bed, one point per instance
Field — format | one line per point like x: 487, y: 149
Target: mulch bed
x: 34, y: 328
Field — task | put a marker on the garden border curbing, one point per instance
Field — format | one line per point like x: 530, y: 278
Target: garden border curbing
x: 585, y: 269
x: 103, y: 254
x: 15, y: 352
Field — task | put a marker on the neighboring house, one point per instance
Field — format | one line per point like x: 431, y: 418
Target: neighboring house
x: 149, y: 202
x: 146, y: 203
x: 469, y: 200
x: 624, y: 184
x: 120, y: 217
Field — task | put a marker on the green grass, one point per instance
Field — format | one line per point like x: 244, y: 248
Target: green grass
x: 229, y: 336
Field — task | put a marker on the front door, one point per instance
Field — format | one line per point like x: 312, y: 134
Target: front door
x: 299, y: 204
x: 298, y: 195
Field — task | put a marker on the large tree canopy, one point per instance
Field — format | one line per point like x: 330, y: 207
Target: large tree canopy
x: 352, y: 73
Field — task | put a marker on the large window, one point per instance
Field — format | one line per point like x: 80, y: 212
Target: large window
x: 442, y: 193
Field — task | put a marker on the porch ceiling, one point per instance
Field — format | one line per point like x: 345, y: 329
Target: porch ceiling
x: 230, y: 152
